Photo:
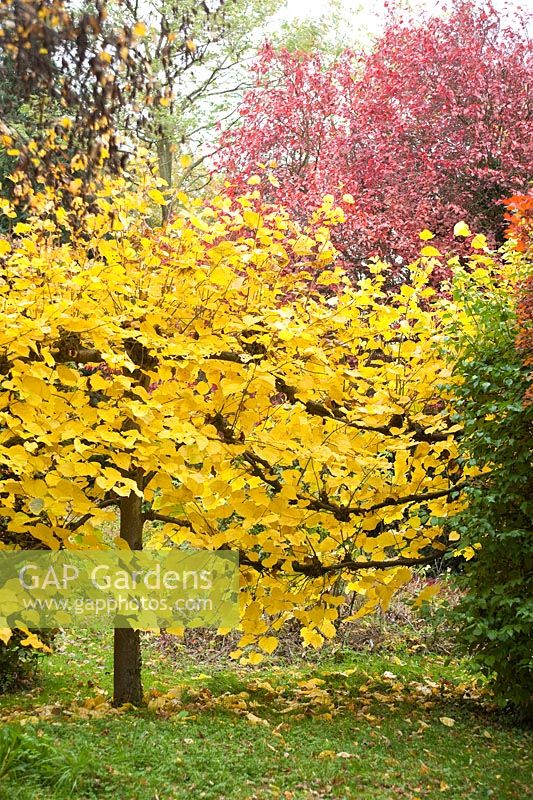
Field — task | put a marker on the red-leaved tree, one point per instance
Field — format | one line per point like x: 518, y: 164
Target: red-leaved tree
x: 432, y: 127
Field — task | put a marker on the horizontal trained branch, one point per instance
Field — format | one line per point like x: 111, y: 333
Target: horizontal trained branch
x: 157, y: 517
x: 315, y: 569
x: 112, y: 501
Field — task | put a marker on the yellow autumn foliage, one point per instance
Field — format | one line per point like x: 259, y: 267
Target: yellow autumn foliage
x: 254, y: 406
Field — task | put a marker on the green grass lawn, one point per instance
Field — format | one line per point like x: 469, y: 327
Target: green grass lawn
x: 353, y: 725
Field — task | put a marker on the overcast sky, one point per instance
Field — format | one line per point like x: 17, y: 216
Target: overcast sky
x: 371, y: 10
x: 370, y: 14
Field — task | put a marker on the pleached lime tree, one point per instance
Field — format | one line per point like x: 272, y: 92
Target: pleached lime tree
x: 219, y: 376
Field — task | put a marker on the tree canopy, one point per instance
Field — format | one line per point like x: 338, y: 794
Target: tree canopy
x: 431, y: 127
x: 186, y: 370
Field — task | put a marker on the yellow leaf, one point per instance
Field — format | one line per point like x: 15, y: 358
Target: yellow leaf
x: 255, y: 720
x: 76, y: 325
x: 32, y: 640
x: 328, y: 629
x: 221, y: 276
x: 427, y: 593
x: 157, y: 196
x: 461, y: 229
x: 118, y: 222
x: 254, y: 180
x: 185, y: 161
x: 311, y: 638
x: 199, y: 223
x: 268, y: 644
x: 430, y: 252
x: 479, y: 242
x: 5, y: 247
x: 5, y: 635
x: 139, y: 29
x: 348, y: 198
x: 176, y: 630
x: 252, y: 219
x: 67, y: 376
x: 425, y: 235
x: 255, y: 658
x: 447, y: 721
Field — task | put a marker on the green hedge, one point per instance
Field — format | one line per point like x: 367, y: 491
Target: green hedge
x: 496, y: 616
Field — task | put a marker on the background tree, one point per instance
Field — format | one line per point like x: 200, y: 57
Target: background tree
x: 92, y: 76
x: 204, y: 80
x: 432, y: 126
x: 326, y: 32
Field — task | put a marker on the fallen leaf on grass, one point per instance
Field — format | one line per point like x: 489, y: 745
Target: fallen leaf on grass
x: 255, y: 720
x: 333, y: 754
x: 448, y: 721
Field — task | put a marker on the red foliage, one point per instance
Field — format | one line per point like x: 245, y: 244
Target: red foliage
x: 519, y: 219
x: 520, y: 229
x: 433, y: 127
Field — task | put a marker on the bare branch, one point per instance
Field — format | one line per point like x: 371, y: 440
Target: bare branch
x: 81, y: 356
x: 73, y: 526
x: 256, y: 463
x: 157, y: 517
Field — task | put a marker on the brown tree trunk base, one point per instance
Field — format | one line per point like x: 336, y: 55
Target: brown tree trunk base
x: 127, y: 686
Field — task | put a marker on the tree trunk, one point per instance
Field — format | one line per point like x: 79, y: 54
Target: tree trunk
x: 127, y: 685
x: 164, y: 156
